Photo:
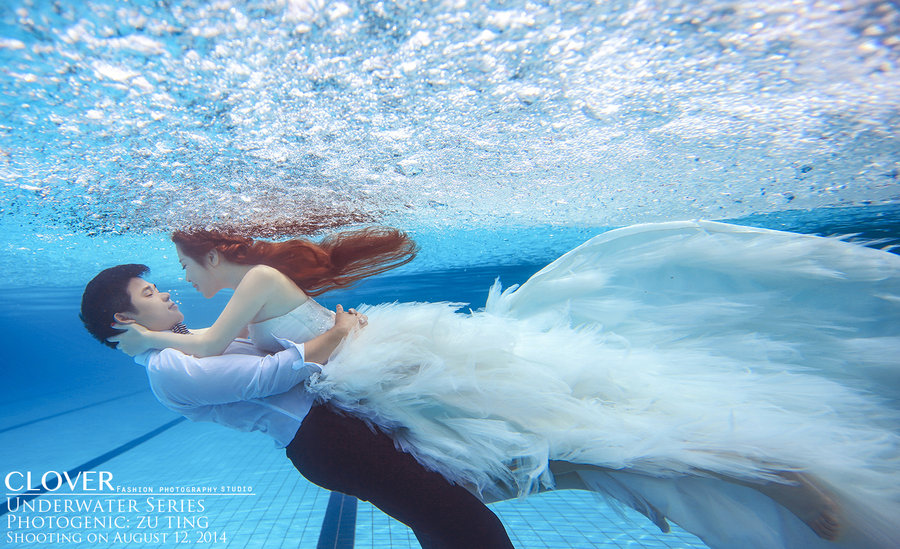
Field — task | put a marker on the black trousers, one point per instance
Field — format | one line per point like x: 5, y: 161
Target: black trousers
x: 341, y: 453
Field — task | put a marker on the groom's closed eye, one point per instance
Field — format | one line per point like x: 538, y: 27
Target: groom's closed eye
x: 149, y: 290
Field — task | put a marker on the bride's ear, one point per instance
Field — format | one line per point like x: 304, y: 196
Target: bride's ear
x: 122, y: 319
x: 212, y: 258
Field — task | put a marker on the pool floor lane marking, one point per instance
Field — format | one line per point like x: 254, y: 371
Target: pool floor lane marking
x: 86, y: 466
x: 10, y: 428
x: 339, y: 525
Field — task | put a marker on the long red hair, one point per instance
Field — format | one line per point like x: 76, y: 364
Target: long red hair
x: 338, y: 261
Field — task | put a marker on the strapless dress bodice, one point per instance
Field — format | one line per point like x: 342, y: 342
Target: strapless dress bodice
x: 306, y: 321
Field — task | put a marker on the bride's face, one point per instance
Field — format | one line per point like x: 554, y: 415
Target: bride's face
x: 199, y: 275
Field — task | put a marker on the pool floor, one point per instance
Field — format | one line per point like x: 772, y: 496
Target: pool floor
x: 253, y: 496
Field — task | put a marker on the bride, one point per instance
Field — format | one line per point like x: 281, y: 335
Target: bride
x: 740, y: 382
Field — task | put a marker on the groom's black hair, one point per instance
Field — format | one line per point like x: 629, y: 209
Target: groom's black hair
x: 104, y: 296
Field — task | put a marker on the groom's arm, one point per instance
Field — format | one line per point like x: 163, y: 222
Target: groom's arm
x: 192, y: 381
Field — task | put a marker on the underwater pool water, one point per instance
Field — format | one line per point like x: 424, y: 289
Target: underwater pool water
x: 70, y: 404
x: 500, y: 134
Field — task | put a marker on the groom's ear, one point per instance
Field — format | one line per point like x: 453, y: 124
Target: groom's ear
x: 122, y: 318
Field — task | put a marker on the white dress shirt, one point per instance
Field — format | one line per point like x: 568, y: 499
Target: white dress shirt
x: 243, y: 388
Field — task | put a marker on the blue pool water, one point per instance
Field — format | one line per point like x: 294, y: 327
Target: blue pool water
x: 499, y: 134
x: 70, y: 403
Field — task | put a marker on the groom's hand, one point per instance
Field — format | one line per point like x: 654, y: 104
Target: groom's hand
x: 131, y: 342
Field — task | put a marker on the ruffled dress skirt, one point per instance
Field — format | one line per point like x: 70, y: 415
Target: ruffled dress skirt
x: 682, y: 360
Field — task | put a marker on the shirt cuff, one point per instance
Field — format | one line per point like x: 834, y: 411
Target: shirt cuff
x: 301, y: 351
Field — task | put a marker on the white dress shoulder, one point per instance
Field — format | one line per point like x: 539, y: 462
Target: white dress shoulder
x: 672, y: 354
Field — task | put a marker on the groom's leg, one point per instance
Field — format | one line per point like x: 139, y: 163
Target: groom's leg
x: 341, y: 453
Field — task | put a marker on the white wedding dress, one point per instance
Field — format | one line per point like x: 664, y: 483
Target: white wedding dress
x: 673, y: 356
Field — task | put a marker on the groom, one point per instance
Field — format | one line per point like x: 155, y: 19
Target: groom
x: 245, y: 389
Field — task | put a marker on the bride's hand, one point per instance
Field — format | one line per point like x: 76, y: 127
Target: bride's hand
x: 361, y: 319
x: 133, y: 340
x: 347, y: 321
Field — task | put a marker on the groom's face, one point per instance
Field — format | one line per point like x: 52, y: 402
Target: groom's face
x: 153, y: 309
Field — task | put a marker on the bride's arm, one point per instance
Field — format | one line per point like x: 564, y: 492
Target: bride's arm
x: 244, y: 333
x: 319, y: 348
x: 254, y: 290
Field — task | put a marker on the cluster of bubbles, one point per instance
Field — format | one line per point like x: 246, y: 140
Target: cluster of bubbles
x: 131, y: 117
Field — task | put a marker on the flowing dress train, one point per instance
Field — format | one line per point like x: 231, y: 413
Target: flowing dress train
x: 685, y: 360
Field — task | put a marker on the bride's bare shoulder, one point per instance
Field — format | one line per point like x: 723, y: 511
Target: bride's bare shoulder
x: 264, y: 271
x: 264, y: 274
